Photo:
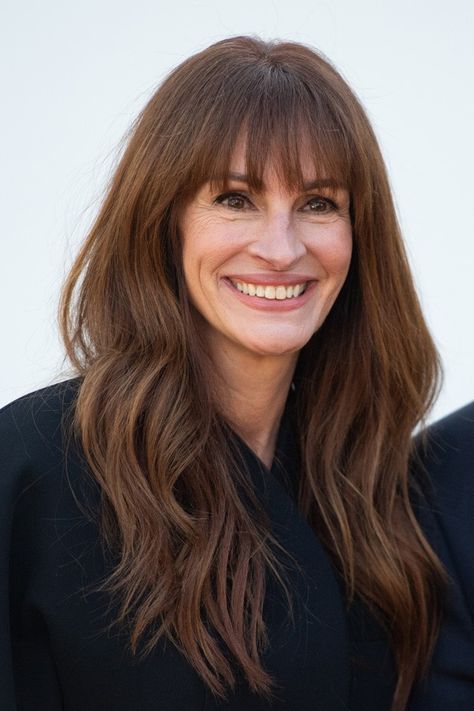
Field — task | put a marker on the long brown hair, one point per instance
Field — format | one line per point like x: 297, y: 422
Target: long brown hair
x: 193, y: 557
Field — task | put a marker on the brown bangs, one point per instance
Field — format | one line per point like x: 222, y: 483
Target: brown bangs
x: 283, y: 121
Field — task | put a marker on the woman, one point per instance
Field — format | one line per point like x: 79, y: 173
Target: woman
x: 216, y: 512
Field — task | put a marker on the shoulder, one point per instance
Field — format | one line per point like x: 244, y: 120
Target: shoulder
x: 446, y: 453
x: 33, y: 431
x: 39, y: 410
x: 450, y: 441
x: 445, y: 458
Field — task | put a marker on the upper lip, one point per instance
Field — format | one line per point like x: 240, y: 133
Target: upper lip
x: 272, y: 279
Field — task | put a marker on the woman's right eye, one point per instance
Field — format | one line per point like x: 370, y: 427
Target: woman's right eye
x: 235, y: 201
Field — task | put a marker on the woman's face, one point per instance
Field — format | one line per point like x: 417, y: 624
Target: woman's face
x: 263, y: 270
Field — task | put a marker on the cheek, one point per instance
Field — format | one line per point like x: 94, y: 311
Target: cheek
x: 205, y: 254
x: 207, y: 251
x: 334, y: 251
x: 189, y: 260
x: 344, y: 254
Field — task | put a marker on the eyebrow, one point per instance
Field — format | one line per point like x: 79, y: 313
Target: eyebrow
x: 310, y: 185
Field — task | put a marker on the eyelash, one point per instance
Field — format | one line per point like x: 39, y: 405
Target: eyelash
x: 224, y: 196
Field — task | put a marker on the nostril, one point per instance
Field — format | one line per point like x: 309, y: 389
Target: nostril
x: 280, y: 253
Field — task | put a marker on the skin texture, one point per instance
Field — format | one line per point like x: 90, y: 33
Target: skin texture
x: 300, y: 236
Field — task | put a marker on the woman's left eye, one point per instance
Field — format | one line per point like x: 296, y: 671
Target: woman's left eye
x: 321, y: 205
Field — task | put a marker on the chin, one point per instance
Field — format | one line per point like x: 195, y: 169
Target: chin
x: 275, y: 347
x: 280, y: 341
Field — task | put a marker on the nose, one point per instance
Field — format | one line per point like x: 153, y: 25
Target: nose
x: 277, y: 242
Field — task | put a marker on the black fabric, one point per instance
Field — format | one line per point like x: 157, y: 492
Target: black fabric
x: 448, y: 519
x: 56, y: 648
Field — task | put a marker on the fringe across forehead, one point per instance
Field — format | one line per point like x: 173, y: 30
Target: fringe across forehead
x: 284, y: 124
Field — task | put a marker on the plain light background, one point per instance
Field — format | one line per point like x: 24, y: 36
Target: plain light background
x: 75, y: 75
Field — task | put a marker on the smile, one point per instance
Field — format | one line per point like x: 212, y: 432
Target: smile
x: 277, y: 291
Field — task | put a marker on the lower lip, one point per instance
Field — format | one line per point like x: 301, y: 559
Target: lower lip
x: 260, y: 303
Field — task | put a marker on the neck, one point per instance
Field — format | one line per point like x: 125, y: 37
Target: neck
x: 252, y: 390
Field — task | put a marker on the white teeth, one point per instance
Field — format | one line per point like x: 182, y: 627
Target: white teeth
x: 279, y: 292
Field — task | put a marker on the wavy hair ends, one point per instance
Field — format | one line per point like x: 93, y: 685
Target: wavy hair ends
x: 193, y: 556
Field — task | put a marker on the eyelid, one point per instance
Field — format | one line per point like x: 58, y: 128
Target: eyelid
x: 331, y: 201
x: 231, y: 193
x: 325, y: 198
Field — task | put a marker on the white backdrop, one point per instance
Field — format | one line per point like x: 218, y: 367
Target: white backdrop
x: 76, y: 74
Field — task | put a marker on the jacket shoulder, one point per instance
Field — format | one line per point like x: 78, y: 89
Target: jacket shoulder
x: 447, y: 459
x: 33, y: 429
x: 447, y: 455
x: 453, y: 436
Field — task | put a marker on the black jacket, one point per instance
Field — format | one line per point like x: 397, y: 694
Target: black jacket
x: 449, y: 523
x: 57, y: 650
